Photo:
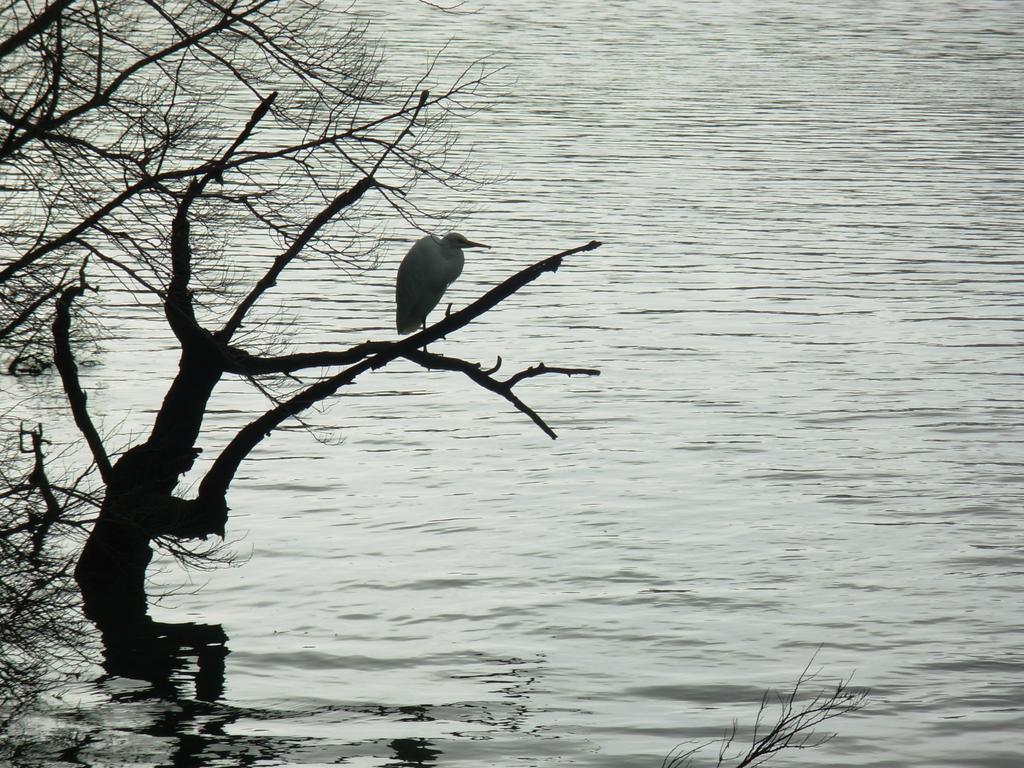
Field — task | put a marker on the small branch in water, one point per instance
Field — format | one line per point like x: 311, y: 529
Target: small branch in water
x: 794, y: 727
x: 39, y: 479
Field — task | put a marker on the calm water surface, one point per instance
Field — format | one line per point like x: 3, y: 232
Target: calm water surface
x: 806, y: 438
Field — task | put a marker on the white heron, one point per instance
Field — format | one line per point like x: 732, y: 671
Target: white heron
x: 430, y: 266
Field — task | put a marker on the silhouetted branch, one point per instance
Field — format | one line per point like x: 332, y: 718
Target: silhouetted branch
x: 269, y: 279
x: 241, y: 362
x: 119, y: 265
x: 238, y: 361
x: 178, y: 306
x: 22, y: 316
x: 36, y: 26
x: 156, y: 181
x: 486, y: 302
x: 102, y: 97
x: 424, y: 96
x: 90, y: 220
x: 540, y: 369
x: 39, y: 479
x: 41, y: 628
x: 24, y: 128
x: 64, y: 360
x: 216, y: 171
x: 488, y: 382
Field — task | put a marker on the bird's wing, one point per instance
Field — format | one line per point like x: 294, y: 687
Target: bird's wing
x: 420, y: 284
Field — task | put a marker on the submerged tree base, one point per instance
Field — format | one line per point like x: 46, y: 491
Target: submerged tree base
x: 111, y: 573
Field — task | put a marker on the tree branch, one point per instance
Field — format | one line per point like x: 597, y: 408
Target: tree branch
x: 156, y: 181
x: 243, y: 363
x: 104, y: 97
x: 32, y: 307
x: 178, y: 307
x: 44, y: 129
x: 217, y: 168
x: 98, y: 214
x: 35, y: 27
x: 214, y: 486
x: 424, y: 95
x: 488, y: 301
x: 269, y: 279
x: 64, y: 360
x: 338, y: 204
x: 488, y: 382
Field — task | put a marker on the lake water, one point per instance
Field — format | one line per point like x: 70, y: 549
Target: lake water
x: 806, y: 439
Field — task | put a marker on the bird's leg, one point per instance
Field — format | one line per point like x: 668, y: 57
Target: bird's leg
x: 424, y: 328
x: 447, y: 312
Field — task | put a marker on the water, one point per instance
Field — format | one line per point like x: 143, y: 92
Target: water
x: 805, y: 442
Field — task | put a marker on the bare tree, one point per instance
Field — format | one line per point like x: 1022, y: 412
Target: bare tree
x: 147, y: 146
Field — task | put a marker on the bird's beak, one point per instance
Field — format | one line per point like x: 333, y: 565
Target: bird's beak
x: 471, y: 244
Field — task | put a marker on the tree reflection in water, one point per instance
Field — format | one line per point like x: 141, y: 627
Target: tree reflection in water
x: 158, y: 697
x: 162, y: 654
x: 177, y: 717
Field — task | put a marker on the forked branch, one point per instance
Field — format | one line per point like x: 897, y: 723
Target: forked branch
x: 178, y: 301
x: 486, y: 380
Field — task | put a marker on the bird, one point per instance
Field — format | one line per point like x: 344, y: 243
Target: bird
x: 430, y: 266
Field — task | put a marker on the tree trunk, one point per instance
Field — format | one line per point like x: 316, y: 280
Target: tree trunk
x: 111, y: 571
x: 140, y: 504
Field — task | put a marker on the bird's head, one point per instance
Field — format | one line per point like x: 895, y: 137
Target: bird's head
x: 461, y: 241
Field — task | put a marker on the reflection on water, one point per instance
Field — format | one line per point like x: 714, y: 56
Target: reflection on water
x: 159, y: 654
x: 807, y: 432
